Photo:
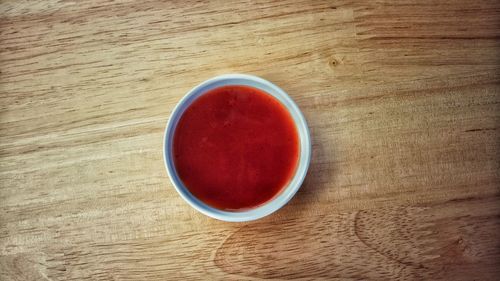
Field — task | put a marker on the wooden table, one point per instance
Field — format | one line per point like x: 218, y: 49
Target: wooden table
x: 403, y: 103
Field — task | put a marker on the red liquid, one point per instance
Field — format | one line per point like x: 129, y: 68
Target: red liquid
x: 235, y: 147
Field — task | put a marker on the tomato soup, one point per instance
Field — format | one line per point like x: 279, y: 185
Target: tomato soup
x: 235, y: 147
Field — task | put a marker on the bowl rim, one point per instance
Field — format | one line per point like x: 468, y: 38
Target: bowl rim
x: 304, y: 155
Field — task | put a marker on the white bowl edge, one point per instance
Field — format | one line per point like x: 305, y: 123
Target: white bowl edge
x: 304, y: 158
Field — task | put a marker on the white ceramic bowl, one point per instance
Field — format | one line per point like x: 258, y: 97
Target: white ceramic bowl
x: 304, y: 138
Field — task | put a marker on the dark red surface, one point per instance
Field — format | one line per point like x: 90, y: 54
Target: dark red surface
x: 235, y: 147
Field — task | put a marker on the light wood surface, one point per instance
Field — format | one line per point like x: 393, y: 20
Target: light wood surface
x: 402, y: 99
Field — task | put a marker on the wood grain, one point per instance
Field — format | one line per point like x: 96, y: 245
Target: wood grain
x: 402, y: 99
